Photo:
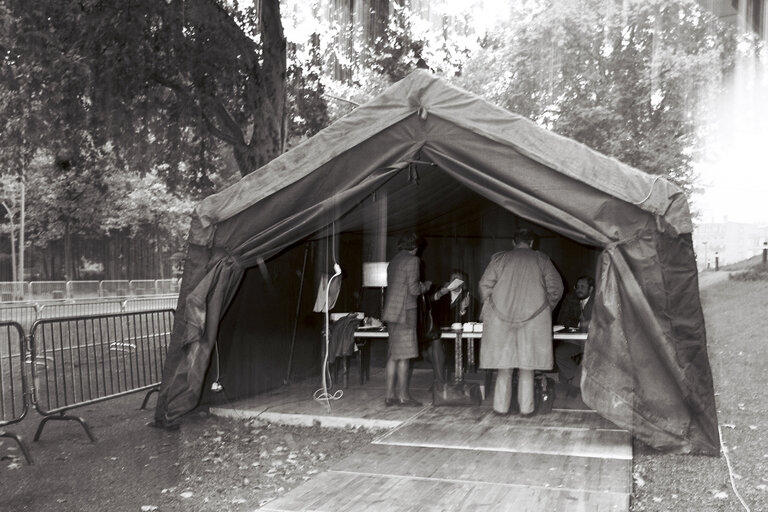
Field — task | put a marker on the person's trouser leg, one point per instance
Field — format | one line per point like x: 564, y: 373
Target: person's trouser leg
x: 525, y: 391
x: 437, y: 355
x: 502, y: 392
x: 569, y: 371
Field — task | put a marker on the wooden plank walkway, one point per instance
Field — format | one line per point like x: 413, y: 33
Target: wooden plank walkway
x: 455, y: 458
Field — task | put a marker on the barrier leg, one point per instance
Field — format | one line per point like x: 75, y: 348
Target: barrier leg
x: 65, y: 418
x: 146, y: 397
x: 21, y: 444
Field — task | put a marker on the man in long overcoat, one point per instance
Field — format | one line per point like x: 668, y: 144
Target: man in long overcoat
x: 519, y: 289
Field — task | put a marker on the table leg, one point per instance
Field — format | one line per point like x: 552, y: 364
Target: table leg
x: 459, y: 360
x: 471, y: 355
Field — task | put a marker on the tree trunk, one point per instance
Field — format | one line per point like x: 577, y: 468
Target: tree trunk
x: 269, y: 124
x: 68, y: 260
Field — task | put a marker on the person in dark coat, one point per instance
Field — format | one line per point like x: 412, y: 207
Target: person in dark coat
x: 449, y: 305
x: 576, y: 313
x: 401, y: 315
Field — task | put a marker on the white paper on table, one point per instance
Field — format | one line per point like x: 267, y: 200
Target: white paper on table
x: 454, y: 284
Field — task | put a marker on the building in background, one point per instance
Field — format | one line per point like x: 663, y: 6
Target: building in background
x: 748, y: 15
x: 725, y: 243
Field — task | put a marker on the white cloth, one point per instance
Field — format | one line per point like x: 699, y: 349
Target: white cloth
x: 333, y: 293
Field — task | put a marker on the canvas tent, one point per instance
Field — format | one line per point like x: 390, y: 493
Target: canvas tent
x: 645, y: 366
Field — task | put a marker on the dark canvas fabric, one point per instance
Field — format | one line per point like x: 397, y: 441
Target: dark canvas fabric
x: 645, y: 365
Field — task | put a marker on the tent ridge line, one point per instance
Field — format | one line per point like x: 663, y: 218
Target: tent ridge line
x: 520, y: 148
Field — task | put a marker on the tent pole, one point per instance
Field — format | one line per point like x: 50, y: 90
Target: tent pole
x: 296, y: 320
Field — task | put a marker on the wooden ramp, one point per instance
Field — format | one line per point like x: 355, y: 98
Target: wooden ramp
x: 461, y: 458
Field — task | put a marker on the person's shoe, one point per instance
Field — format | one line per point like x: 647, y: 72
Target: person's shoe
x: 497, y: 413
x: 527, y: 415
x: 389, y: 402
x: 409, y: 402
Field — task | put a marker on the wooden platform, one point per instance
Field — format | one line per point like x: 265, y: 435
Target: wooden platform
x: 454, y: 458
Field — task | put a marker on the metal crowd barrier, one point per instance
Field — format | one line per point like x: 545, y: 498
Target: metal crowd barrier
x: 14, y: 396
x: 85, y: 308
x: 11, y: 291
x: 81, y: 360
x: 26, y: 313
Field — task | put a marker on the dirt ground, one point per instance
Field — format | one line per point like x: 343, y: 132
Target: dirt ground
x: 217, y: 464
x: 210, y: 464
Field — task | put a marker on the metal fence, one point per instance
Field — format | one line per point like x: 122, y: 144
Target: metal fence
x: 13, y: 385
x: 58, y: 290
x: 13, y: 290
x: 86, y: 359
x: 25, y: 313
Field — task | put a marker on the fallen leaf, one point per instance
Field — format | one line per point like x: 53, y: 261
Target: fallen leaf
x: 186, y: 494
x: 148, y: 508
x: 720, y: 495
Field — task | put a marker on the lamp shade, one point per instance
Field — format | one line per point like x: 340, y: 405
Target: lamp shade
x: 375, y: 274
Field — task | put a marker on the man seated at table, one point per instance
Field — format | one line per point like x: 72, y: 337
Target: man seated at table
x: 575, y: 312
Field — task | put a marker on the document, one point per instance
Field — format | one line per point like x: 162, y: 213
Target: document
x: 454, y: 284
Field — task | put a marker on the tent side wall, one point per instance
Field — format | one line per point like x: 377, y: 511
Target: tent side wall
x: 646, y: 367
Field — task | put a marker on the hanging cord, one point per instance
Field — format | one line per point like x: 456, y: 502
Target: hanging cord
x: 323, y: 394
x: 730, y: 470
x: 216, y: 387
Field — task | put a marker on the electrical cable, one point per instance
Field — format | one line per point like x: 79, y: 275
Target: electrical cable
x: 730, y: 470
x: 323, y: 394
x: 216, y: 387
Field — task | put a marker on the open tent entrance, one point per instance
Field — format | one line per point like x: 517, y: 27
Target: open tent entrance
x: 346, y: 194
x: 270, y: 334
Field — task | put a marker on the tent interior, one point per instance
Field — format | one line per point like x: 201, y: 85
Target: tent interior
x: 270, y: 334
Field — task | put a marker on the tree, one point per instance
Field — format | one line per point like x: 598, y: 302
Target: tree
x: 144, y: 207
x: 626, y: 81
x: 93, y: 93
x: 157, y: 78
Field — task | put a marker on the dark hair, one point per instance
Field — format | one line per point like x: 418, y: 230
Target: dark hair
x: 524, y: 235
x: 588, y: 279
x: 408, y: 242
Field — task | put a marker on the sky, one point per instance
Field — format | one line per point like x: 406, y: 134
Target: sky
x: 735, y: 176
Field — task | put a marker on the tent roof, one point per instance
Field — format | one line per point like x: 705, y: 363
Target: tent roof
x: 424, y: 94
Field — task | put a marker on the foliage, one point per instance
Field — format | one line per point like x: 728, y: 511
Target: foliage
x: 144, y: 206
x: 626, y: 81
x: 360, y: 60
x: 307, y: 109
x: 756, y: 273
x: 94, y: 93
x: 176, y: 83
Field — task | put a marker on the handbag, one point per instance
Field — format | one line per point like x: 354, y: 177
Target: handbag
x: 543, y: 393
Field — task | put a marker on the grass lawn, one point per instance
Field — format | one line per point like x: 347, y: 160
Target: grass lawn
x: 736, y: 314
